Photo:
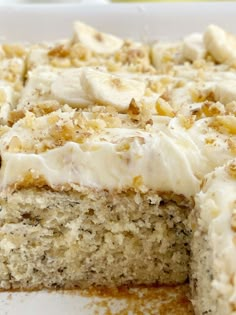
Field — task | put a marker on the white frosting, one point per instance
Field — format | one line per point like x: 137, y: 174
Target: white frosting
x: 103, y: 168
x: 217, y: 202
x: 166, y: 158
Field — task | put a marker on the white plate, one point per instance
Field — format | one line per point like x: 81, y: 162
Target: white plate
x: 142, y: 21
x: 146, y: 301
x: 139, y: 21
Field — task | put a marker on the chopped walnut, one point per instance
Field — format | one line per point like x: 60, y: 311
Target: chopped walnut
x: 232, y: 171
x: 60, y: 62
x: 163, y: 108
x: 166, y: 96
x: 233, y: 218
x: 45, y: 108
x: 52, y: 119
x: 133, y: 109
x: 224, y: 124
x: 96, y: 124
x: 133, y: 55
x: 137, y: 181
x: 79, y: 52
x: 231, y: 108
x: 112, y: 66
x: 31, y: 179
x: 14, y: 145
x: 209, y: 109
x: 2, y: 96
x: 61, y: 51
x: 14, y: 116
x: 14, y: 50
x: 156, y: 86
x: 199, y: 96
x: 122, y: 147
x: 233, y: 306
x: 232, y: 145
x: 187, y: 121
x: 210, y: 140
x: 149, y: 122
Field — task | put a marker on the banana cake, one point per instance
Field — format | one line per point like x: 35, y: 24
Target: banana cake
x: 118, y: 164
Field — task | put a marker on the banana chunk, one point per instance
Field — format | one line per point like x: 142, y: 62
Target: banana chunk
x: 193, y: 47
x: 225, y: 92
x: 38, y: 56
x: 67, y: 88
x: 98, y: 42
x: 220, y: 44
x: 7, y: 101
x: 164, y: 53
x: 109, y: 89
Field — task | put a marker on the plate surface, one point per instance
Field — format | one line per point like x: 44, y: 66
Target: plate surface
x: 147, y: 301
x: 140, y: 21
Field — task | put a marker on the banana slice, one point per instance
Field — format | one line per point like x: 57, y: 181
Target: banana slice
x: 7, y: 101
x: 220, y: 44
x: 109, y: 89
x: 163, y: 53
x: 37, y: 87
x: 225, y: 92
x: 193, y: 47
x: 67, y: 88
x: 2, y: 53
x: 100, y: 43
x: 37, y: 56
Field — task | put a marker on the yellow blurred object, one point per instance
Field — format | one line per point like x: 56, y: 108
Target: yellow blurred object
x: 165, y: 1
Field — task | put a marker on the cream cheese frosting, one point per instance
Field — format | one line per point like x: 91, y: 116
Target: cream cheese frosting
x: 167, y: 157
x: 217, y: 204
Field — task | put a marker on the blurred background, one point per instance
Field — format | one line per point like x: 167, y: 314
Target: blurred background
x: 51, y: 1
x: 85, y: 1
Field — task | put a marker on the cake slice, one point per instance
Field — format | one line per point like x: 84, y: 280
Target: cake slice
x: 85, y: 202
x: 77, y: 209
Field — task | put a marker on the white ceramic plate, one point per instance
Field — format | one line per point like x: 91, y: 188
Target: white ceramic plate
x: 139, y: 21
